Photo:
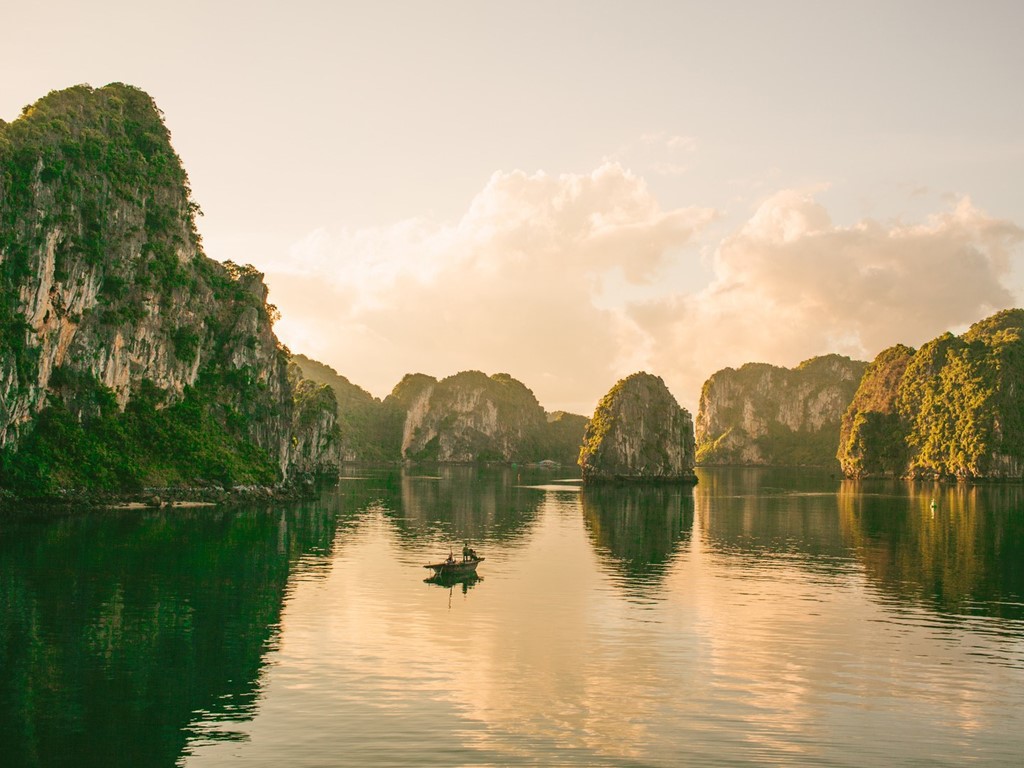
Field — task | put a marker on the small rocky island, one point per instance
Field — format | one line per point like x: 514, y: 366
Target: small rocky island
x: 471, y: 417
x: 638, y: 433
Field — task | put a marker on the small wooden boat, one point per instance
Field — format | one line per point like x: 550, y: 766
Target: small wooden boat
x: 456, y: 567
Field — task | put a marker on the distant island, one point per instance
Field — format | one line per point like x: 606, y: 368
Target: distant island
x: 464, y: 418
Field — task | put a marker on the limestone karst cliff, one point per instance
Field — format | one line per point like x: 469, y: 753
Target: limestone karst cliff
x: 127, y: 357
x: 467, y: 417
x: 638, y: 432
x: 368, y: 430
x: 762, y: 414
x: 952, y: 409
x: 473, y: 417
x: 317, y: 445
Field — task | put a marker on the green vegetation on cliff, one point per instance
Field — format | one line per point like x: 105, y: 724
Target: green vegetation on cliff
x: 563, y: 437
x: 109, y: 451
x: 763, y: 414
x: 638, y: 432
x: 872, y: 438
x: 955, y: 408
x: 369, y: 430
x: 127, y: 357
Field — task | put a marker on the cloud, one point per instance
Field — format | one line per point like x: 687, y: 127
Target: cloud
x: 790, y: 284
x: 524, y: 283
x: 570, y: 282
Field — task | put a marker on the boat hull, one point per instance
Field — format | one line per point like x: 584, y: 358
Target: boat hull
x: 455, y: 568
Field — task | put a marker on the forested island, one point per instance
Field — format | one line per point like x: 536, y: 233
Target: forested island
x: 128, y: 358
x: 952, y: 409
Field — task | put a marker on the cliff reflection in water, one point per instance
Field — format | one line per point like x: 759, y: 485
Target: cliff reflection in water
x: 117, y: 628
x: 457, y: 503
x: 763, y: 515
x: 638, y: 529
x: 963, y: 556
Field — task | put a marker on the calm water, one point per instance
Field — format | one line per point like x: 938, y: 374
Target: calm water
x: 763, y: 617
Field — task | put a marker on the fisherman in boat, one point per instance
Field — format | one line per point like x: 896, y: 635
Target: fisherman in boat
x: 468, y: 553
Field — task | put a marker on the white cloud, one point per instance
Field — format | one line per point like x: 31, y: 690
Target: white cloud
x: 519, y: 284
x: 570, y: 282
x: 789, y: 285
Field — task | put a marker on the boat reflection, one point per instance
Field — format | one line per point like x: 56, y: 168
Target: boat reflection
x: 450, y: 581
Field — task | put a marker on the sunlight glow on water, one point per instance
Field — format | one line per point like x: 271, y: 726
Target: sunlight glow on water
x: 760, y: 618
x: 734, y: 639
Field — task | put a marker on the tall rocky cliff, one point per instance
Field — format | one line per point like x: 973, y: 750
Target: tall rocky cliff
x: 474, y: 417
x: 317, y: 438
x: 952, y: 409
x: 126, y: 355
x: 638, y: 432
x: 766, y: 415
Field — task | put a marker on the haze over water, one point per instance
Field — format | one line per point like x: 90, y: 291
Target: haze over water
x: 762, y: 617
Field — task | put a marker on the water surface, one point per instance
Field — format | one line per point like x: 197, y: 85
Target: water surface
x: 761, y: 617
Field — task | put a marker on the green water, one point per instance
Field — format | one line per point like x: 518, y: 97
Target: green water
x: 762, y: 617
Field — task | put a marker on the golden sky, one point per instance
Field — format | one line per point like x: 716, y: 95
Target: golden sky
x: 573, y: 191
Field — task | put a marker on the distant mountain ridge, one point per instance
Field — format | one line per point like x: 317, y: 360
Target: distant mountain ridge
x: 466, y: 417
x: 369, y: 430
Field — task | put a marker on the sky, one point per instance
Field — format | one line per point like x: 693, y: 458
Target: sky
x: 570, y: 192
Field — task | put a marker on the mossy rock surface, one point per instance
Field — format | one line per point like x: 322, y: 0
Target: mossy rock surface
x: 638, y: 433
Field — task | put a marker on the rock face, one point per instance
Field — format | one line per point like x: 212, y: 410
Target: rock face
x: 317, y: 446
x: 369, y: 430
x: 472, y: 417
x: 105, y: 290
x: 765, y: 415
x: 952, y: 409
x: 638, y: 433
